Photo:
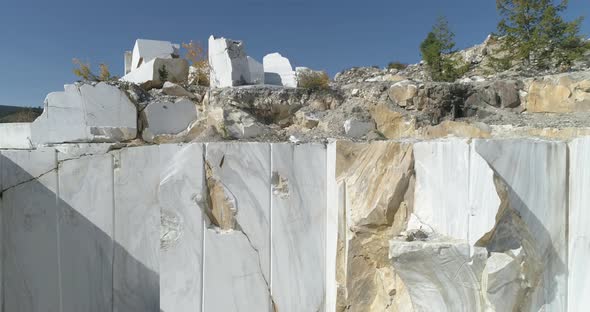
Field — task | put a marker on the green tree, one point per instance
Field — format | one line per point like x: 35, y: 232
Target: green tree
x: 437, y: 50
x: 535, y: 34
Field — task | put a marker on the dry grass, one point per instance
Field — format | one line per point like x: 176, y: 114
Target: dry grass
x: 314, y: 80
x: 195, y: 54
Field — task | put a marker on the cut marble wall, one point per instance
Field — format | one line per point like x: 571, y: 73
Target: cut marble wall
x: 535, y: 174
x: 298, y: 223
x: 128, y: 56
x: 579, y: 231
x: 240, y: 256
x: 137, y: 230
x: 442, y: 184
x: 86, y: 113
x: 15, y: 135
x: 180, y: 194
x: 31, y: 270
x: 85, y: 222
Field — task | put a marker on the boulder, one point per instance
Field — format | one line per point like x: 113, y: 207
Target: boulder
x: 86, y: 113
x: 145, y: 51
x: 165, y: 119
x: 306, y: 120
x: 403, y: 93
x: 561, y: 93
x: 228, y: 62
x: 278, y: 71
x: 157, y: 71
x: 356, y: 128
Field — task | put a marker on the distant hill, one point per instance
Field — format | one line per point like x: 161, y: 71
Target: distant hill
x: 19, y: 114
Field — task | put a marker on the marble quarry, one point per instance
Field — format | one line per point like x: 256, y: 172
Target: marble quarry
x: 437, y: 225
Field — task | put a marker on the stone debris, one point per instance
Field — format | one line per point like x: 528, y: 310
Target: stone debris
x: 173, y: 89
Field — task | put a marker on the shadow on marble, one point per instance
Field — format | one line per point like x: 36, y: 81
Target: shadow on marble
x: 53, y: 257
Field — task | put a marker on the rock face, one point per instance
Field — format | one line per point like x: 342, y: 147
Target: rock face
x: 559, y: 93
x: 228, y: 62
x: 86, y: 113
x: 278, y: 71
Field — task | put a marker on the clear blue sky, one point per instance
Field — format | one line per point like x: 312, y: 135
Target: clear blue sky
x: 38, y: 39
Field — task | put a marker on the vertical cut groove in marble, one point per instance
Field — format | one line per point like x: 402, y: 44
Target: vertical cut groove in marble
x: 58, y: 243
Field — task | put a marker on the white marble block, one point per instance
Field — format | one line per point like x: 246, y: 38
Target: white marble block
x: 579, y: 229
x: 86, y: 113
x: 157, y: 71
x: 128, y: 59
x: 299, y: 222
x: 167, y: 119
x: 256, y: 72
x: 146, y: 50
x: 15, y: 135
x: 181, y: 189
x: 85, y: 225
x: 534, y: 172
x: 278, y: 71
x: 442, y: 184
x: 137, y: 230
x: 228, y: 63
x: 30, y: 267
x: 237, y: 261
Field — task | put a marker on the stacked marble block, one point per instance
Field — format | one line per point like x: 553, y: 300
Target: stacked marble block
x: 125, y: 230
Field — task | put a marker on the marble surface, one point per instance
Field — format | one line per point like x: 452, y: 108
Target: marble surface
x: 244, y: 171
x: 579, y: 231
x: 137, y: 229
x: 278, y: 71
x: 85, y: 113
x: 442, y: 184
x: 228, y: 63
x: 85, y: 223
x: 30, y: 267
x: 146, y: 50
x: 233, y: 276
x: 298, y: 227
x: 168, y: 118
x: 15, y: 135
x: 441, y: 276
x: 180, y: 194
x: 535, y: 174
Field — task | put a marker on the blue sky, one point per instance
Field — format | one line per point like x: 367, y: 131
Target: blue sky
x: 39, y: 38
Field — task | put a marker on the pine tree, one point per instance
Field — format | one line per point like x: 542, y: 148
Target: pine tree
x: 436, y: 51
x: 535, y: 34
